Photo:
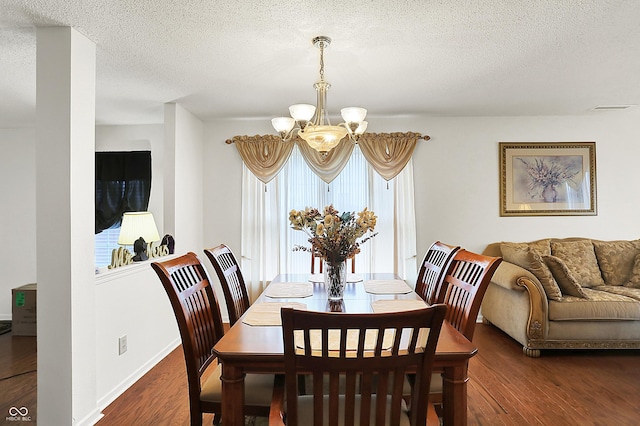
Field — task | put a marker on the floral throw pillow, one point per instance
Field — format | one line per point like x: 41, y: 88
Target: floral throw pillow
x: 567, y: 283
x: 580, y: 258
x: 543, y: 247
x: 634, y: 279
x: 525, y: 257
x: 615, y: 259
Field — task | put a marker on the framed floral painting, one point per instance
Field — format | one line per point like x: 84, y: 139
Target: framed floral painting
x: 548, y: 179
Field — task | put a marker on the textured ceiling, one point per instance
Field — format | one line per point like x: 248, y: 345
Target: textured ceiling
x: 248, y: 59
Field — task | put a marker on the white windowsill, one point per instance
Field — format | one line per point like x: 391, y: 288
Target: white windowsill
x: 105, y: 274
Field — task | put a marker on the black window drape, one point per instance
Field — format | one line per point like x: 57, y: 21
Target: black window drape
x: 123, y: 184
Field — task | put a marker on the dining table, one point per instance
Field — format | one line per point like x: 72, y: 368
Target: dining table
x: 254, y: 343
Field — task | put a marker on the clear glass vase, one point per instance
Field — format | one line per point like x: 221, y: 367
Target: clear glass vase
x: 335, y: 279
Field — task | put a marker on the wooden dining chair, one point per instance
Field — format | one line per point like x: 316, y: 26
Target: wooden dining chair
x: 466, y: 282
x: 368, y: 354
x: 433, y: 269
x: 199, y: 320
x: 231, y: 280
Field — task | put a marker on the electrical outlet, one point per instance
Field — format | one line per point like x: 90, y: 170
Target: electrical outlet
x: 122, y: 344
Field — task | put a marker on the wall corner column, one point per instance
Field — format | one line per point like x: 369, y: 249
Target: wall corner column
x: 65, y: 175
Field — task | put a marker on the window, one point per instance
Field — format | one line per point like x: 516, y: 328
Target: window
x: 123, y: 184
x: 300, y: 188
x: 105, y: 242
x: 267, y: 237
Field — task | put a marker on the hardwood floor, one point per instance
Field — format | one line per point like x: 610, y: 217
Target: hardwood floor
x: 560, y: 388
x: 599, y: 388
x: 17, y: 375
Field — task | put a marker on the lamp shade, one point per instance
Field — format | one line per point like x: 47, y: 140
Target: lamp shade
x: 136, y: 225
x: 361, y: 127
x: 302, y: 112
x: 353, y: 114
x: 283, y: 124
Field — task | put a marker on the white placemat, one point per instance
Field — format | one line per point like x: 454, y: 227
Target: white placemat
x: 386, y: 287
x: 269, y: 313
x: 316, y: 278
x: 385, y: 306
x: 285, y: 290
x: 351, y: 278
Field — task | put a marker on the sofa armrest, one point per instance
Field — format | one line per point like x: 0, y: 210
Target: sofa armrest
x: 515, y: 278
x: 538, y: 308
x: 507, y: 276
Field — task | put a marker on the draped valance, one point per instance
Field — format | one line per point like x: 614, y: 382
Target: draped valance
x: 263, y: 155
x: 387, y: 153
x: 329, y: 166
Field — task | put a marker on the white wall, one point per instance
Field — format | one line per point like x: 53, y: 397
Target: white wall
x: 223, y: 180
x: 183, y: 181
x: 18, y: 212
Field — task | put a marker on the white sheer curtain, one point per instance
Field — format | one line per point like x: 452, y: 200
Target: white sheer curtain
x: 268, y: 240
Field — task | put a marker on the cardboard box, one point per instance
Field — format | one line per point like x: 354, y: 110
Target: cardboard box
x: 23, y: 310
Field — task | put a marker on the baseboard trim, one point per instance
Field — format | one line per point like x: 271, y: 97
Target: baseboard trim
x: 135, y: 376
x: 90, y: 419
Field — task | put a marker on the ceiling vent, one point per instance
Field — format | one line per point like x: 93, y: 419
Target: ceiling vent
x: 612, y: 107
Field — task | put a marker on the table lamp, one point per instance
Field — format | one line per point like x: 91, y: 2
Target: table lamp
x: 138, y: 229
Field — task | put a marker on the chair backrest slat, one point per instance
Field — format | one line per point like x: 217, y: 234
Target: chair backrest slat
x: 231, y: 279
x: 466, y: 283
x: 433, y: 269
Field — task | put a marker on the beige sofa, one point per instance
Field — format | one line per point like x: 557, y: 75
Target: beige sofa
x: 572, y: 293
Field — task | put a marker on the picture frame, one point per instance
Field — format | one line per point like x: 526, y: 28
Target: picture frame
x: 548, y: 179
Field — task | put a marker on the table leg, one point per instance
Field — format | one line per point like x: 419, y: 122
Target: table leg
x: 232, y: 395
x: 454, y: 395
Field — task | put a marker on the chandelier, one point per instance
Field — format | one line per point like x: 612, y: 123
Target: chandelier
x: 312, y: 122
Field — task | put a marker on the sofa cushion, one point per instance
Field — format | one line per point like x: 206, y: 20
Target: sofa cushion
x: 543, y: 247
x: 566, y: 281
x: 634, y: 279
x: 601, y: 305
x: 631, y: 292
x: 523, y: 256
x: 615, y: 259
x: 580, y: 258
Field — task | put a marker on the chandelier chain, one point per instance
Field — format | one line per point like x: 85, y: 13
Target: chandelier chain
x: 322, y: 61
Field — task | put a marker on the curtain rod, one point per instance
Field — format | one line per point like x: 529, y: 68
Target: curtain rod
x: 420, y: 137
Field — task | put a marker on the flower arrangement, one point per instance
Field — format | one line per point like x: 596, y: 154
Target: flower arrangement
x: 543, y: 175
x: 336, y: 237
